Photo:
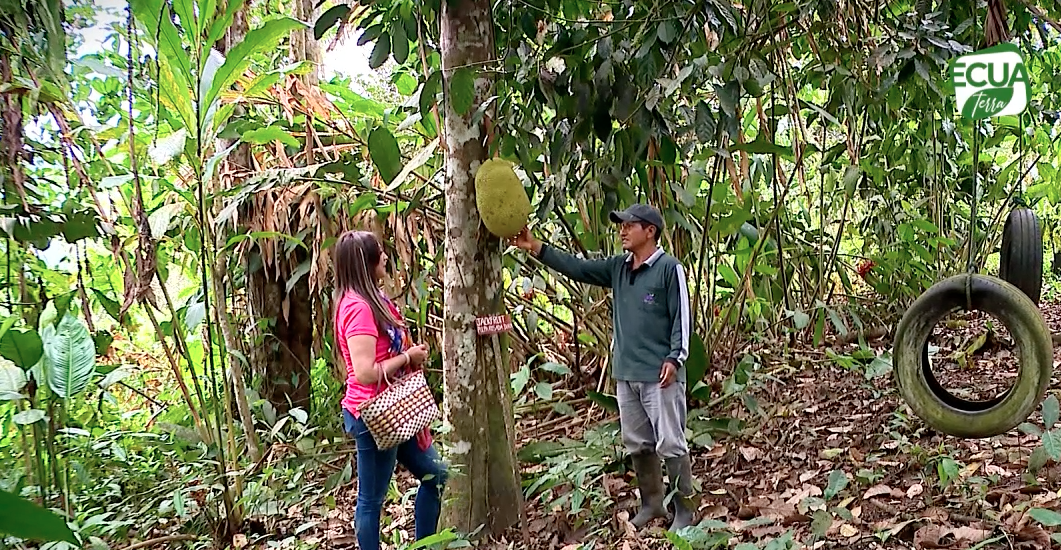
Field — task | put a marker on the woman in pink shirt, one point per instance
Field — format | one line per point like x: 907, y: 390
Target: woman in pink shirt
x: 372, y: 336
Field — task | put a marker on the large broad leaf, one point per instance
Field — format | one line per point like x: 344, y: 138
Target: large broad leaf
x: 269, y: 134
x: 174, y: 95
x: 12, y: 379
x: 257, y: 41
x: 22, y: 347
x: 155, y: 16
x: 69, y: 356
x: 26, y: 520
x: 462, y: 90
x: 328, y: 20
x: 386, y: 155
x: 696, y: 364
x: 217, y: 29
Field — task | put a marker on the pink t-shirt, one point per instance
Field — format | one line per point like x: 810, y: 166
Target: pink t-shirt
x: 354, y: 318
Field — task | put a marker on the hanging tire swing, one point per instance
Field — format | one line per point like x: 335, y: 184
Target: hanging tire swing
x: 1012, y: 298
x: 1021, y: 262
x: 939, y: 408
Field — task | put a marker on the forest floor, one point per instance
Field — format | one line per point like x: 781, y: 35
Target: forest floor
x: 830, y: 458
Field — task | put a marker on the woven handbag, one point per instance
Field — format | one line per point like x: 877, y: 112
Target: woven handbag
x: 400, y: 411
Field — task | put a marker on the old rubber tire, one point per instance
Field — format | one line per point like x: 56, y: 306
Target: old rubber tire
x: 1021, y: 262
x: 939, y: 408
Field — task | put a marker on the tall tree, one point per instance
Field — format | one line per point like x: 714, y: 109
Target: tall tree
x: 484, y: 487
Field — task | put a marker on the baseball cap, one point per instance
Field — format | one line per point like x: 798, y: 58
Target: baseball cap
x: 638, y: 212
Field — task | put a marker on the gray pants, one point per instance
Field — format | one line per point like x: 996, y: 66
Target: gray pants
x: 652, y: 418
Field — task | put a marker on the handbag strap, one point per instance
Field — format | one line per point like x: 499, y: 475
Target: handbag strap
x: 382, y: 376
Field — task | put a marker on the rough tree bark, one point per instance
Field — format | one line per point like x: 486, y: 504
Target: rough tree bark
x: 284, y: 353
x: 303, y: 44
x: 484, y: 488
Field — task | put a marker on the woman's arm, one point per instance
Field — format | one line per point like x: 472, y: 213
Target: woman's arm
x: 362, y: 349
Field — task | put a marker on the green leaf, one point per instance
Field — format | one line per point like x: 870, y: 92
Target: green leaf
x: 1048, y: 518
x: 185, y: 11
x: 207, y: 11
x: 763, y: 146
x: 608, y: 402
x: 399, y: 44
x: 155, y: 16
x: 556, y: 368
x: 258, y: 41
x: 269, y: 134
x: 7, y: 324
x: 428, y: 93
x: 519, y: 380
x: 544, y: 390
x: 80, y: 225
x: 1052, y: 444
x: 728, y: 275
x: 12, y: 379
x: 380, y: 51
x: 363, y: 202
x: 160, y: 219
x: 386, y: 155
x: 217, y: 29
x: 1029, y: 429
x: 851, y: 176
x: 370, y: 34
x: 1037, y: 460
x: 29, y: 416
x: 174, y: 95
x: 194, y: 315
x: 880, y: 366
x: 102, y: 341
x: 1050, y: 411
x: 837, y: 481
x: 462, y: 90
x: 696, y: 364
x: 23, y: 347
x: 328, y: 19
x: 70, y: 356
x: 667, y: 31
x: 24, y: 519
x: 405, y: 84
x: 110, y: 306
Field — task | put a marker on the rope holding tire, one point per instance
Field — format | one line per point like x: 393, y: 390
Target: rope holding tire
x: 946, y: 412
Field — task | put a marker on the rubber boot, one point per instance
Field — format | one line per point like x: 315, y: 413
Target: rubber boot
x: 680, y: 473
x: 650, y: 482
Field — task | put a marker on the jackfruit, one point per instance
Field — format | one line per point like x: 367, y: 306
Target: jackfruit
x: 500, y: 198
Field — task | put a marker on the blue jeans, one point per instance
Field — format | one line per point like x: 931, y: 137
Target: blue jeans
x: 374, y: 471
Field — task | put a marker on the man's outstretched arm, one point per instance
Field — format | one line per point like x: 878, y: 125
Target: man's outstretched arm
x: 594, y: 272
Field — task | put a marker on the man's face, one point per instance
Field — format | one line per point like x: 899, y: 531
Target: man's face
x: 634, y: 235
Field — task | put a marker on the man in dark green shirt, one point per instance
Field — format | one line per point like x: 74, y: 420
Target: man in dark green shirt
x: 650, y: 343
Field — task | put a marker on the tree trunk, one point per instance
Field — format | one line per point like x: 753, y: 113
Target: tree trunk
x: 303, y: 44
x: 484, y: 488
x: 284, y: 351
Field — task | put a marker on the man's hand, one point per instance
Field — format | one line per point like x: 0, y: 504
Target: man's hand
x: 667, y: 374
x: 525, y: 241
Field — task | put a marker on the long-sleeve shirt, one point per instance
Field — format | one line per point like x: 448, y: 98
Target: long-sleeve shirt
x: 650, y: 309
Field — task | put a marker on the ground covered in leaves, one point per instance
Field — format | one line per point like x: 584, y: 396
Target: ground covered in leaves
x: 817, y: 451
